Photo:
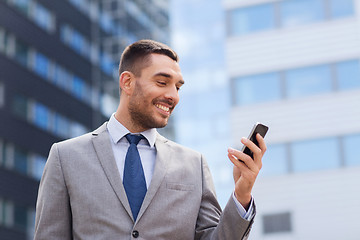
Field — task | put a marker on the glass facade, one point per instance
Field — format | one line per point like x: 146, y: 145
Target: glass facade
x: 298, y: 12
x: 351, y: 148
x: 257, y: 88
x: 275, y: 161
x: 348, y: 75
x: 286, y: 13
x: 312, y: 155
x: 308, y: 81
x: 46, y: 119
x: 252, y: 19
x: 295, y: 83
x: 19, y: 160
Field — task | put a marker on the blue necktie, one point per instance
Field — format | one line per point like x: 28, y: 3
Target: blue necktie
x: 134, y: 178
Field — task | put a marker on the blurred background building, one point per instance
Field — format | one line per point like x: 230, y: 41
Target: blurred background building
x: 294, y: 65
x: 58, y: 79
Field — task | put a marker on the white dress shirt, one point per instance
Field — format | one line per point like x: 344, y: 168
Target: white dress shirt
x: 147, y: 152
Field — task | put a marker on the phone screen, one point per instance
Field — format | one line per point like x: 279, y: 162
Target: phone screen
x: 258, y: 128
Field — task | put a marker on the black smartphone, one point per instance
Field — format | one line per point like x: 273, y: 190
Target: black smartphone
x: 258, y: 128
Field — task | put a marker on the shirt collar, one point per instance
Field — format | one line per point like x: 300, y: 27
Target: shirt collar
x: 117, y: 131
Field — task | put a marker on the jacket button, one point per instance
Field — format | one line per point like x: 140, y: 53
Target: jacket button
x: 135, y: 234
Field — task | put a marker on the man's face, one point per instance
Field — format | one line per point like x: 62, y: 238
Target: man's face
x: 156, y: 93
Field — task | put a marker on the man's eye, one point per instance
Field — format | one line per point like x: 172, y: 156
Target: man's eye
x: 162, y: 83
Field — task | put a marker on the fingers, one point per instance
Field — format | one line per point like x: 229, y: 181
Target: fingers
x: 241, y: 159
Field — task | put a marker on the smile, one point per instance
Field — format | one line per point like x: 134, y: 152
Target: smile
x: 162, y: 107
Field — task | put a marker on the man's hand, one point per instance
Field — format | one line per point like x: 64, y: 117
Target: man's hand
x: 246, y: 170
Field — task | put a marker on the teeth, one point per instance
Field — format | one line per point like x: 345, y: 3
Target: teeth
x: 166, y: 109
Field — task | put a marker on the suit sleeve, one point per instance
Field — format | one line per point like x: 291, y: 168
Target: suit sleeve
x: 212, y: 223
x: 53, y: 213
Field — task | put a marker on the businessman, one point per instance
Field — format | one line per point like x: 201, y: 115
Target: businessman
x: 126, y: 181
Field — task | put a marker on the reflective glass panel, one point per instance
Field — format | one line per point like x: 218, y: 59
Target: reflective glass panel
x: 43, y: 17
x: 257, y: 88
x: 20, y: 107
x: 22, y: 5
x: 20, y: 161
x: 308, y: 81
x: 61, y: 126
x: 20, y: 217
x: 352, y: 150
x: 298, y: 12
x: 78, y: 87
x: 41, y: 65
x: 275, y: 160
x: 348, y: 74
x: 252, y: 19
x: 341, y: 8
x: 21, y: 53
x: 315, y: 154
x: 41, y: 116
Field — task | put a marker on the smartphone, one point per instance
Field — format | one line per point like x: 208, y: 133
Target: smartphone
x: 258, y: 128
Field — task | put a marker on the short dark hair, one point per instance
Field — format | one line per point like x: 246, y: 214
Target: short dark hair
x: 136, y: 56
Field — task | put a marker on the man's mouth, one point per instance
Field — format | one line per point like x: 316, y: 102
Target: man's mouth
x: 162, y: 107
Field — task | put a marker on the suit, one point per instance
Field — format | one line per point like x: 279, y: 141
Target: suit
x: 81, y: 196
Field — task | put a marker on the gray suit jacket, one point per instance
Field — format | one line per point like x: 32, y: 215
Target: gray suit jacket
x: 81, y: 196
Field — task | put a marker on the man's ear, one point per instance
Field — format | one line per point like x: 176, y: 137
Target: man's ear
x: 126, y: 82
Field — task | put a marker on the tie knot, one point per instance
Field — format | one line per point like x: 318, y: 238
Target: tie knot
x: 134, y: 139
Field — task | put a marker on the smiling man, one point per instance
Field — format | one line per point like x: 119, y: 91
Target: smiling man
x: 126, y: 181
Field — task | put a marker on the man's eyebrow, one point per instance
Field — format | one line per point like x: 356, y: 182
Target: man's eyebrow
x: 166, y: 75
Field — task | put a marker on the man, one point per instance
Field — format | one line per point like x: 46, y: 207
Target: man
x: 84, y: 191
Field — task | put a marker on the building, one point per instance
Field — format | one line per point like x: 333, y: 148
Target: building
x: 294, y: 65
x: 58, y: 79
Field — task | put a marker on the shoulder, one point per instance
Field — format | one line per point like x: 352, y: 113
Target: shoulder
x: 178, y: 148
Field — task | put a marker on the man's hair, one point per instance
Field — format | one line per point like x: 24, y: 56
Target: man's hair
x: 137, y: 55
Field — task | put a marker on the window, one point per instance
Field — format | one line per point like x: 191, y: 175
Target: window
x: 351, y: 148
x: 20, y: 161
x: 43, y: 17
x: 37, y: 168
x: 275, y: 160
x: 61, y: 125
x: 62, y: 77
x: 277, y: 223
x: 2, y: 94
x: 76, y: 129
x: 341, y: 8
x: 42, y: 65
x: 20, y: 107
x: 297, y: 12
x: 252, y: 19
x: 75, y: 40
x: 2, y: 154
x: 78, y: 87
x: 22, y: 5
x: 7, y: 213
x: 315, y: 154
x: 348, y: 74
x: 257, y: 88
x: 308, y: 81
x: 41, y: 116
x: 21, y: 53
x: 20, y: 217
x: 106, y: 63
x: 2, y: 39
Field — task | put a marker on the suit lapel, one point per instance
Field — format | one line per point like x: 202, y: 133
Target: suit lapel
x: 163, y: 154
x: 105, y: 155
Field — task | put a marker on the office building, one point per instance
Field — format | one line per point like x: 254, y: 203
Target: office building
x: 294, y: 65
x: 58, y: 79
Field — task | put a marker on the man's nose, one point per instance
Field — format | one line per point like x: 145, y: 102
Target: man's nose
x: 173, y: 94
